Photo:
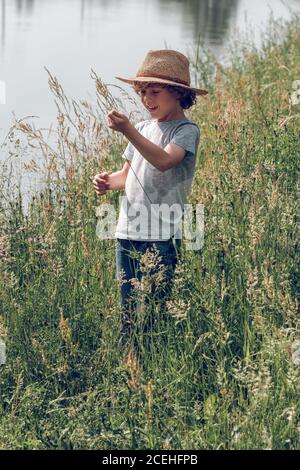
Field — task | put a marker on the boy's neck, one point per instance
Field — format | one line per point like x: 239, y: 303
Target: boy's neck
x: 172, y: 117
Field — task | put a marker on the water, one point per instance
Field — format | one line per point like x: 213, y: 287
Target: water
x: 70, y: 37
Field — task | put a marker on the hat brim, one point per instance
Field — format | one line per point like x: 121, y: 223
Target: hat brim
x: 131, y: 81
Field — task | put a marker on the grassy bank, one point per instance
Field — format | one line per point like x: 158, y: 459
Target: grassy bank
x: 223, y: 374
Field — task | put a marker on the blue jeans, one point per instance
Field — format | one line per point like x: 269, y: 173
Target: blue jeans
x: 128, y: 267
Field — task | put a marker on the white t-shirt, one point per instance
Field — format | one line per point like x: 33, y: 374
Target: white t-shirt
x: 153, y: 204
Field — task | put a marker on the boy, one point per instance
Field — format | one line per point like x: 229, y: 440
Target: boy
x: 157, y: 174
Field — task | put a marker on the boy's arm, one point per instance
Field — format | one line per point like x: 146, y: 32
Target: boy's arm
x: 117, y: 179
x: 160, y: 158
x: 103, y: 181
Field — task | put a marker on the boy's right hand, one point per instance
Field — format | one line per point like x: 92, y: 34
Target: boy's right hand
x: 101, y: 184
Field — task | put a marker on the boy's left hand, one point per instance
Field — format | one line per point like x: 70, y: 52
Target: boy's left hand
x: 118, y: 122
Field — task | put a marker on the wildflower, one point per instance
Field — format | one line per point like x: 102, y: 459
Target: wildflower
x: 260, y: 382
x: 50, y: 237
x: 85, y: 244
x: 149, y: 260
x: 10, y: 280
x: 167, y: 444
x: 178, y: 308
x: 121, y: 277
x: 132, y: 365
x: 266, y: 439
x: 256, y: 227
x: 55, y: 266
x: 5, y: 247
x: 236, y: 435
x: 252, y: 282
x: 221, y: 329
x: 2, y: 329
x: 144, y: 286
x: 64, y: 327
x: 290, y: 413
x: 153, y: 272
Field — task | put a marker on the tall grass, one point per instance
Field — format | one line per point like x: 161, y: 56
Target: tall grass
x: 221, y: 373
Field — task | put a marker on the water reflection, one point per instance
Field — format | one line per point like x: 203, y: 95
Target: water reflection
x: 209, y: 19
x: 111, y: 36
x: 25, y: 6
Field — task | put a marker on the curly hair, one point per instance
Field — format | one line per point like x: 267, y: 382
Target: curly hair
x: 186, y: 97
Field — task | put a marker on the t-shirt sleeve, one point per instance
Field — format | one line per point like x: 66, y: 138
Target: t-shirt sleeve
x: 187, y: 137
x: 129, y: 151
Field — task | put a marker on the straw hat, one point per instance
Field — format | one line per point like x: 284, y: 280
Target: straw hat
x: 165, y: 66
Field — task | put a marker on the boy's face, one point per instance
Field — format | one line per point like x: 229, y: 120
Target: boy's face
x: 160, y: 102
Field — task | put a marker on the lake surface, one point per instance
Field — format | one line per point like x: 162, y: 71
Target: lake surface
x: 111, y: 36
x: 70, y: 37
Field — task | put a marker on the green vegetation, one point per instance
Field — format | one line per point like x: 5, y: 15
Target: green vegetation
x: 223, y: 373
